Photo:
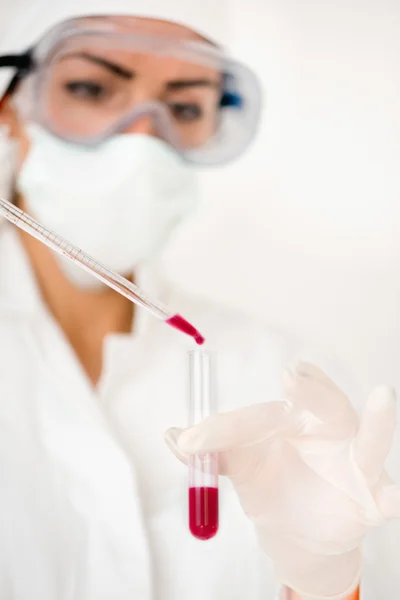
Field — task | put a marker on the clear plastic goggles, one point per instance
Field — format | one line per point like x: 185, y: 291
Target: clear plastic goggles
x: 86, y: 83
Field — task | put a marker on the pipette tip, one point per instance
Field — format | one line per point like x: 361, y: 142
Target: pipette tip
x: 199, y: 339
x: 184, y: 326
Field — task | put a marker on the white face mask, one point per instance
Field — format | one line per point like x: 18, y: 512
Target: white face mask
x: 119, y: 202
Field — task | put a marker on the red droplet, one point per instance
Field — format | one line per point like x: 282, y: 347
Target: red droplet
x: 184, y: 326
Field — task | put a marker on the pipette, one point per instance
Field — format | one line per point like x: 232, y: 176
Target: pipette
x: 118, y: 283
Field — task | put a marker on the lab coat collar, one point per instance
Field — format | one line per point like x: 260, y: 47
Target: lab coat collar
x: 19, y: 291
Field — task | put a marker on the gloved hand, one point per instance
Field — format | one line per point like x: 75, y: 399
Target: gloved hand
x: 309, y: 474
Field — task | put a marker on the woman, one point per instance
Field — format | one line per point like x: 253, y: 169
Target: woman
x: 107, y: 108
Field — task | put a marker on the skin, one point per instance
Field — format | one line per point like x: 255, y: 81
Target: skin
x: 86, y: 317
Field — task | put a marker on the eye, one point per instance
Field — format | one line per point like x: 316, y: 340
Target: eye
x: 86, y: 89
x: 186, y: 112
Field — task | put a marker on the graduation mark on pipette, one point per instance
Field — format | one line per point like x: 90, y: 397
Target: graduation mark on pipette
x: 115, y: 281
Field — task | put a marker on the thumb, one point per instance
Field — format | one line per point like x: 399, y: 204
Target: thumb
x: 229, y: 462
x: 243, y: 427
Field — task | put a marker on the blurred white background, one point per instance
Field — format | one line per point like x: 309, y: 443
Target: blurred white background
x: 305, y: 231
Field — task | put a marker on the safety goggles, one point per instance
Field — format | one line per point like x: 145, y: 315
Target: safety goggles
x: 87, y: 81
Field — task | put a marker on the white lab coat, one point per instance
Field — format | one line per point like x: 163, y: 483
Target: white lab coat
x: 92, y: 504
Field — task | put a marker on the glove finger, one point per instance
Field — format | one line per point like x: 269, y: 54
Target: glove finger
x: 238, y: 428
x: 388, y: 501
x: 230, y: 463
x: 310, y: 389
x: 309, y: 370
x: 375, y: 435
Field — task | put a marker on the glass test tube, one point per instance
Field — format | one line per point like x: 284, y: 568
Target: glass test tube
x: 203, y: 469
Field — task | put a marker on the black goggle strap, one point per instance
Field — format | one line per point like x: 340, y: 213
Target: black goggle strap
x: 23, y: 63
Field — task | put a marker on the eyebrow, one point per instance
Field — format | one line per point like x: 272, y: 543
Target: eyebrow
x: 103, y: 62
x: 172, y: 86
x: 181, y: 84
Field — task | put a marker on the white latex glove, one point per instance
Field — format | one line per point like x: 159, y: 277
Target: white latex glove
x: 309, y: 474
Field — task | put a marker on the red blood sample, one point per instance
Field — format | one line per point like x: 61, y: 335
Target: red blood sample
x: 203, y: 512
x: 181, y: 324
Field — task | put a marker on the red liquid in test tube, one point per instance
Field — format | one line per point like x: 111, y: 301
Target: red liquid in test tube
x: 203, y: 469
x: 203, y: 512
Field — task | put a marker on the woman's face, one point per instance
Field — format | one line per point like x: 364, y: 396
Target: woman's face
x: 90, y: 85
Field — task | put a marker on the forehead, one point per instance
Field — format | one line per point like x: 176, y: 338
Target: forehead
x: 168, y: 65
x: 144, y: 26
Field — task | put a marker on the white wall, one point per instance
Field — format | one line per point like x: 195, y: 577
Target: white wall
x: 304, y: 231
